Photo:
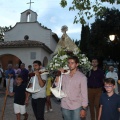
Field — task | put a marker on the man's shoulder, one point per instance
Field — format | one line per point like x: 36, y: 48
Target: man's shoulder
x: 92, y: 71
x: 108, y: 72
x: 100, y: 70
x: 26, y: 70
x: 44, y: 77
x: 22, y: 86
x: 117, y: 96
x: 81, y: 75
x: 104, y: 94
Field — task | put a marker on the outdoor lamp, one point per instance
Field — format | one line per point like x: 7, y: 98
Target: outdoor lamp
x: 112, y: 37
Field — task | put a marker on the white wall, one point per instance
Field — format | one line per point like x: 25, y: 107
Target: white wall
x: 24, y: 54
x: 43, y: 54
x: 33, y: 30
x: 53, y: 44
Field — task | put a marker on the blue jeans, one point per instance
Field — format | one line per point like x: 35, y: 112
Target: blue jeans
x: 71, y: 114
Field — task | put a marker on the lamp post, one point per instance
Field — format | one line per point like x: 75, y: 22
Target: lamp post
x: 112, y: 37
x: 114, y: 41
x: 113, y: 47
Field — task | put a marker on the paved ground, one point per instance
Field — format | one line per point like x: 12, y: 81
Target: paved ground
x: 9, y: 114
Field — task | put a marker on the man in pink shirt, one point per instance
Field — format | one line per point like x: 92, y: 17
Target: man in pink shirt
x: 75, y: 86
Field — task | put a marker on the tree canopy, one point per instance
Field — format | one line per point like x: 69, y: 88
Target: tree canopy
x: 3, y: 30
x: 85, y: 35
x: 88, y: 8
x: 98, y: 43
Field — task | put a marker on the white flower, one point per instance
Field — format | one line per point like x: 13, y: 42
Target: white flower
x: 83, y: 55
x: 76, y: 51
x: 66, y: 65
x: 63, y: 57
x: 60, y: 60
x: 84, y: 60
x: 51, y: 68
x: 55, y: 56
x: 66, y: 68
x: 57, y: 64
x: 51, y: 64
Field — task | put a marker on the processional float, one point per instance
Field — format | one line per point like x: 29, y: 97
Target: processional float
x: 67, y: 44
x: 64, y: 43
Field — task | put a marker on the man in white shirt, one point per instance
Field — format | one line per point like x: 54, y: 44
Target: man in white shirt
x: 1, y: 74
x: 38, y: 98
x: 113, y: 75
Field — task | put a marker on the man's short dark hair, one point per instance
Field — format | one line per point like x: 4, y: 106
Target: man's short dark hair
x: 94, y: 58
x: 37, y: 62
x: 29, y: 66
x: 22, y: 64
x: 109, y: 81
x: 75, y: 58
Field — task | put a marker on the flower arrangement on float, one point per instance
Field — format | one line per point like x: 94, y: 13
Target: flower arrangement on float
x: 59, y: 60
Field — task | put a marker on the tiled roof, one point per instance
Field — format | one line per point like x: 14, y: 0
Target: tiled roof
x: 24, y: 44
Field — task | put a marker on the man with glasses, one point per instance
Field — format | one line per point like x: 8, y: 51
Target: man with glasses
x: 109, y: 102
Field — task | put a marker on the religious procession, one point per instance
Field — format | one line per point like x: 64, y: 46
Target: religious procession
x: 44, y: 77
x: 82, y: 89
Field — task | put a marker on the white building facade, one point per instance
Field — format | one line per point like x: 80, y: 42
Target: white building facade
x: 27, y: 41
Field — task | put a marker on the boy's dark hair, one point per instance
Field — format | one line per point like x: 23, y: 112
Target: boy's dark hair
x: 75, y: 58
x: 19, y: 76
x: 109, y: 81
x: 37, y: 62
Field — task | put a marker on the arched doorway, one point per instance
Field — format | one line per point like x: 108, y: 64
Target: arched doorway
x: 6, y: 59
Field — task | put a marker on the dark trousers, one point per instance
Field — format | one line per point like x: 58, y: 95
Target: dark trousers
x: 38, y: 106
x: 0, y: 80
x: 94, y: 101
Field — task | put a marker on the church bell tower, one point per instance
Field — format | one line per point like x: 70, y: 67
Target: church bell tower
x: 28, y: 16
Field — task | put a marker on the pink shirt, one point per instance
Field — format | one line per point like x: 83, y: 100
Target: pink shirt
x: 76, y: 89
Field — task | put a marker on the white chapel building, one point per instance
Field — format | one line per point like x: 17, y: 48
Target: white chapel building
x: 27, y: 41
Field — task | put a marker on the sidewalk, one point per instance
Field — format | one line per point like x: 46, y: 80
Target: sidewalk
x: 9, y: 113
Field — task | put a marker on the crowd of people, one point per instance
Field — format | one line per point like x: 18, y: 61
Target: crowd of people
x: 16, y: 79
x: 97, y: 90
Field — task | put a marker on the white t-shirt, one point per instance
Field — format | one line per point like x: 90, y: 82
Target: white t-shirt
x: 112, y: 75
x: 42, y: 92
x: 1, y: 70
